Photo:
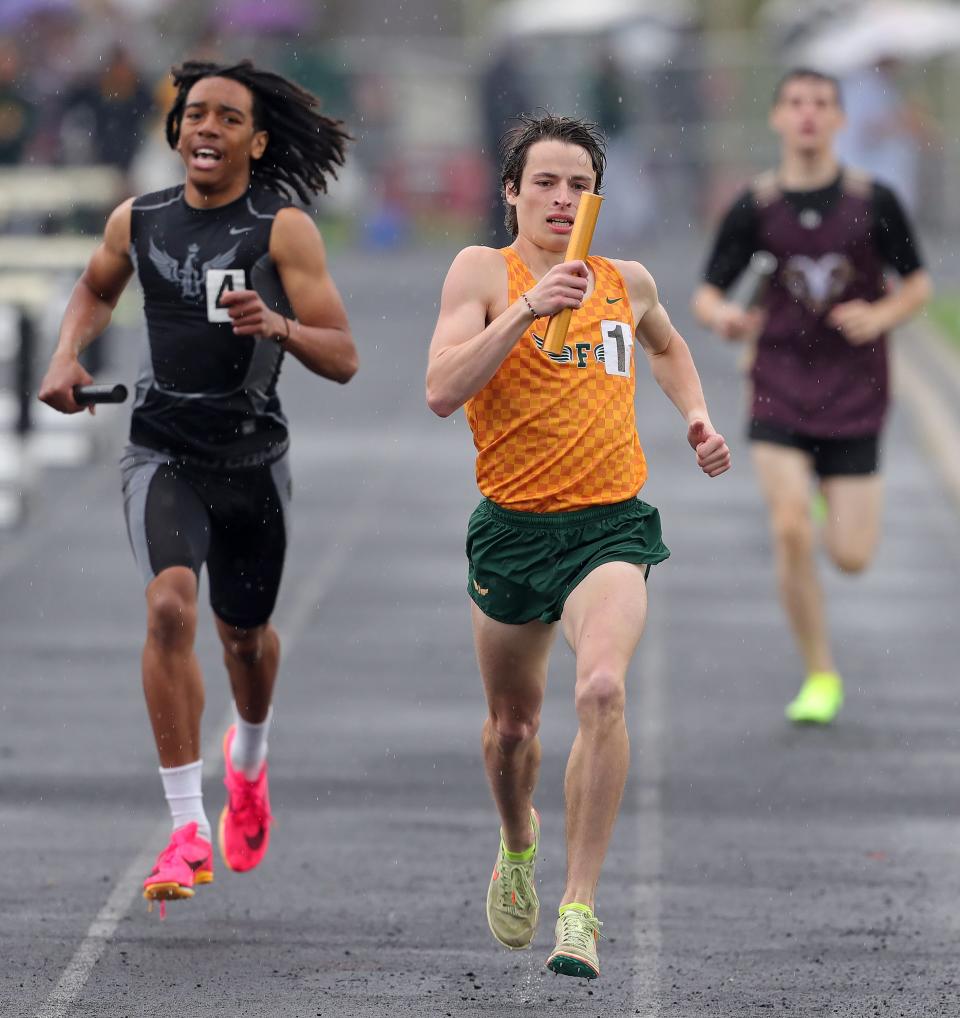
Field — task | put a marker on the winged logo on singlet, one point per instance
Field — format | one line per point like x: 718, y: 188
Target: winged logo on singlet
x: 566, y: 357
x: 817, y: 282
x: 190, y: 277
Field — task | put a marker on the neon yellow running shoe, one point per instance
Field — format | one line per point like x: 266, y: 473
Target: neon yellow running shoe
x: 578, y: 931
x: 819, y: 509
x: 513, y: 908
x: 819, y: 700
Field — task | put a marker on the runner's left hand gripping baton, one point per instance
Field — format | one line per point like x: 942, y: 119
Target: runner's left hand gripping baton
x: 757, y: 278
x: 85, y: 395
x: 578, y: 248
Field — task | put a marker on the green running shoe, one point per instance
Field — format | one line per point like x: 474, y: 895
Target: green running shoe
x: 819, y: 510
x: 819, y: 700
x: 578, y: 931
x: 513, y: 908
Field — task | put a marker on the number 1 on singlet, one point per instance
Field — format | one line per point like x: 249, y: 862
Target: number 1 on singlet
x: 617, y: 348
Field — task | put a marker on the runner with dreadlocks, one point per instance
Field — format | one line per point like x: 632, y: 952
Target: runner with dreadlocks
x: 233, y: 277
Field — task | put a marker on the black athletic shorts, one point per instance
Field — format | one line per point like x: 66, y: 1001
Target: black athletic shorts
x: 233, y: 520
x: 832, y: 457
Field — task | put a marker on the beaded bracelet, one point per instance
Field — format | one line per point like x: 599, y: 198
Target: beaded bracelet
x: 526, y: 301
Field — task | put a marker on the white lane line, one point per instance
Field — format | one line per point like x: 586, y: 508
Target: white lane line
x: 77, y: 972
x: 937, y: 348
x: 649, y: 830
x: 934, y: 418
x: 318, y: 583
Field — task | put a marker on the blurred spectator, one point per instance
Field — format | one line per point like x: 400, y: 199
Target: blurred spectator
x: 607, y: 88
x: 503, y: 96
x: 46, y: 41
x: 319, y: 70
x: 155, y: 165
x: 884, y: 129
x: 115, y: 107
x: 16, y: 112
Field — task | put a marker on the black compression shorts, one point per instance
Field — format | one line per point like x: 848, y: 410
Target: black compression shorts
x: 234, y: 521
x: 832, y: 457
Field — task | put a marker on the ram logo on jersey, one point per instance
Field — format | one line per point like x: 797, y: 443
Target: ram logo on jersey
x: 817, y: 282
x: 190, y: 277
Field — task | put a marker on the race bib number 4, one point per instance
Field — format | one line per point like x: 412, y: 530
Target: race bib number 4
x: 617, y: 348
x: 219, y: 282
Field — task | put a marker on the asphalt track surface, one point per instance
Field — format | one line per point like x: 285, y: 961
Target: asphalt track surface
x: 756, y: 869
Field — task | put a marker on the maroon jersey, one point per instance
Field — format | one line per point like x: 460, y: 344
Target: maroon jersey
x: 806, y: 376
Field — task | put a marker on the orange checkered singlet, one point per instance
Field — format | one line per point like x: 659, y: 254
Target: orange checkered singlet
x: 556, y: 432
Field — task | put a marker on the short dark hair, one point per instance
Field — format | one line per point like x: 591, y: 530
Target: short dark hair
x: 546, y: 126
x: 807, y: 74
x: 305, y: 147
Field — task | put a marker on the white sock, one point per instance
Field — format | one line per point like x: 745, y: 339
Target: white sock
x: 184, y: 791
x: 249, y: 748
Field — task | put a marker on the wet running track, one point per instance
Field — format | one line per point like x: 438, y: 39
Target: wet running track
x: 756, y: 869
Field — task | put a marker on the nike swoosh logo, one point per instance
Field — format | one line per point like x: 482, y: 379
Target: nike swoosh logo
x: 614, y: 300
x: 195, y: 865
x: 256, y: 842
x: 235, y: 232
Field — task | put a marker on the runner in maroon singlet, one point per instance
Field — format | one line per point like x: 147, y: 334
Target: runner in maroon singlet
x: 820, y: 373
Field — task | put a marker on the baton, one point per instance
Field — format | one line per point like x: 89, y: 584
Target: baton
x: 758, y: 275
x: 757, y: 278
x: 85, y: 395
x: 578, y: 248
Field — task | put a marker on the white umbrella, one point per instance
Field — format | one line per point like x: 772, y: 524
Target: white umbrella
x: 571, y: 17
x: 884, y: 29
x: 788, y: 21
x: 645, y: 45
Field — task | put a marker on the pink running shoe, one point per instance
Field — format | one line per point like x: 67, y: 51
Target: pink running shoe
x: 184, y: 863
x: 244, y: 834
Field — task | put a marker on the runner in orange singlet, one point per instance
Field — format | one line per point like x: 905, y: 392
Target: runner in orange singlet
x: 560, y: 535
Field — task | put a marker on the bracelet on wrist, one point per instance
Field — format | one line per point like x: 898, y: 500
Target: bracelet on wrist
x: 282, y: 340
x: 526, y: 300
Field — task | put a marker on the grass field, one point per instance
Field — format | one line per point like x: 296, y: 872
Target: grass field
x: 944, y: 312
